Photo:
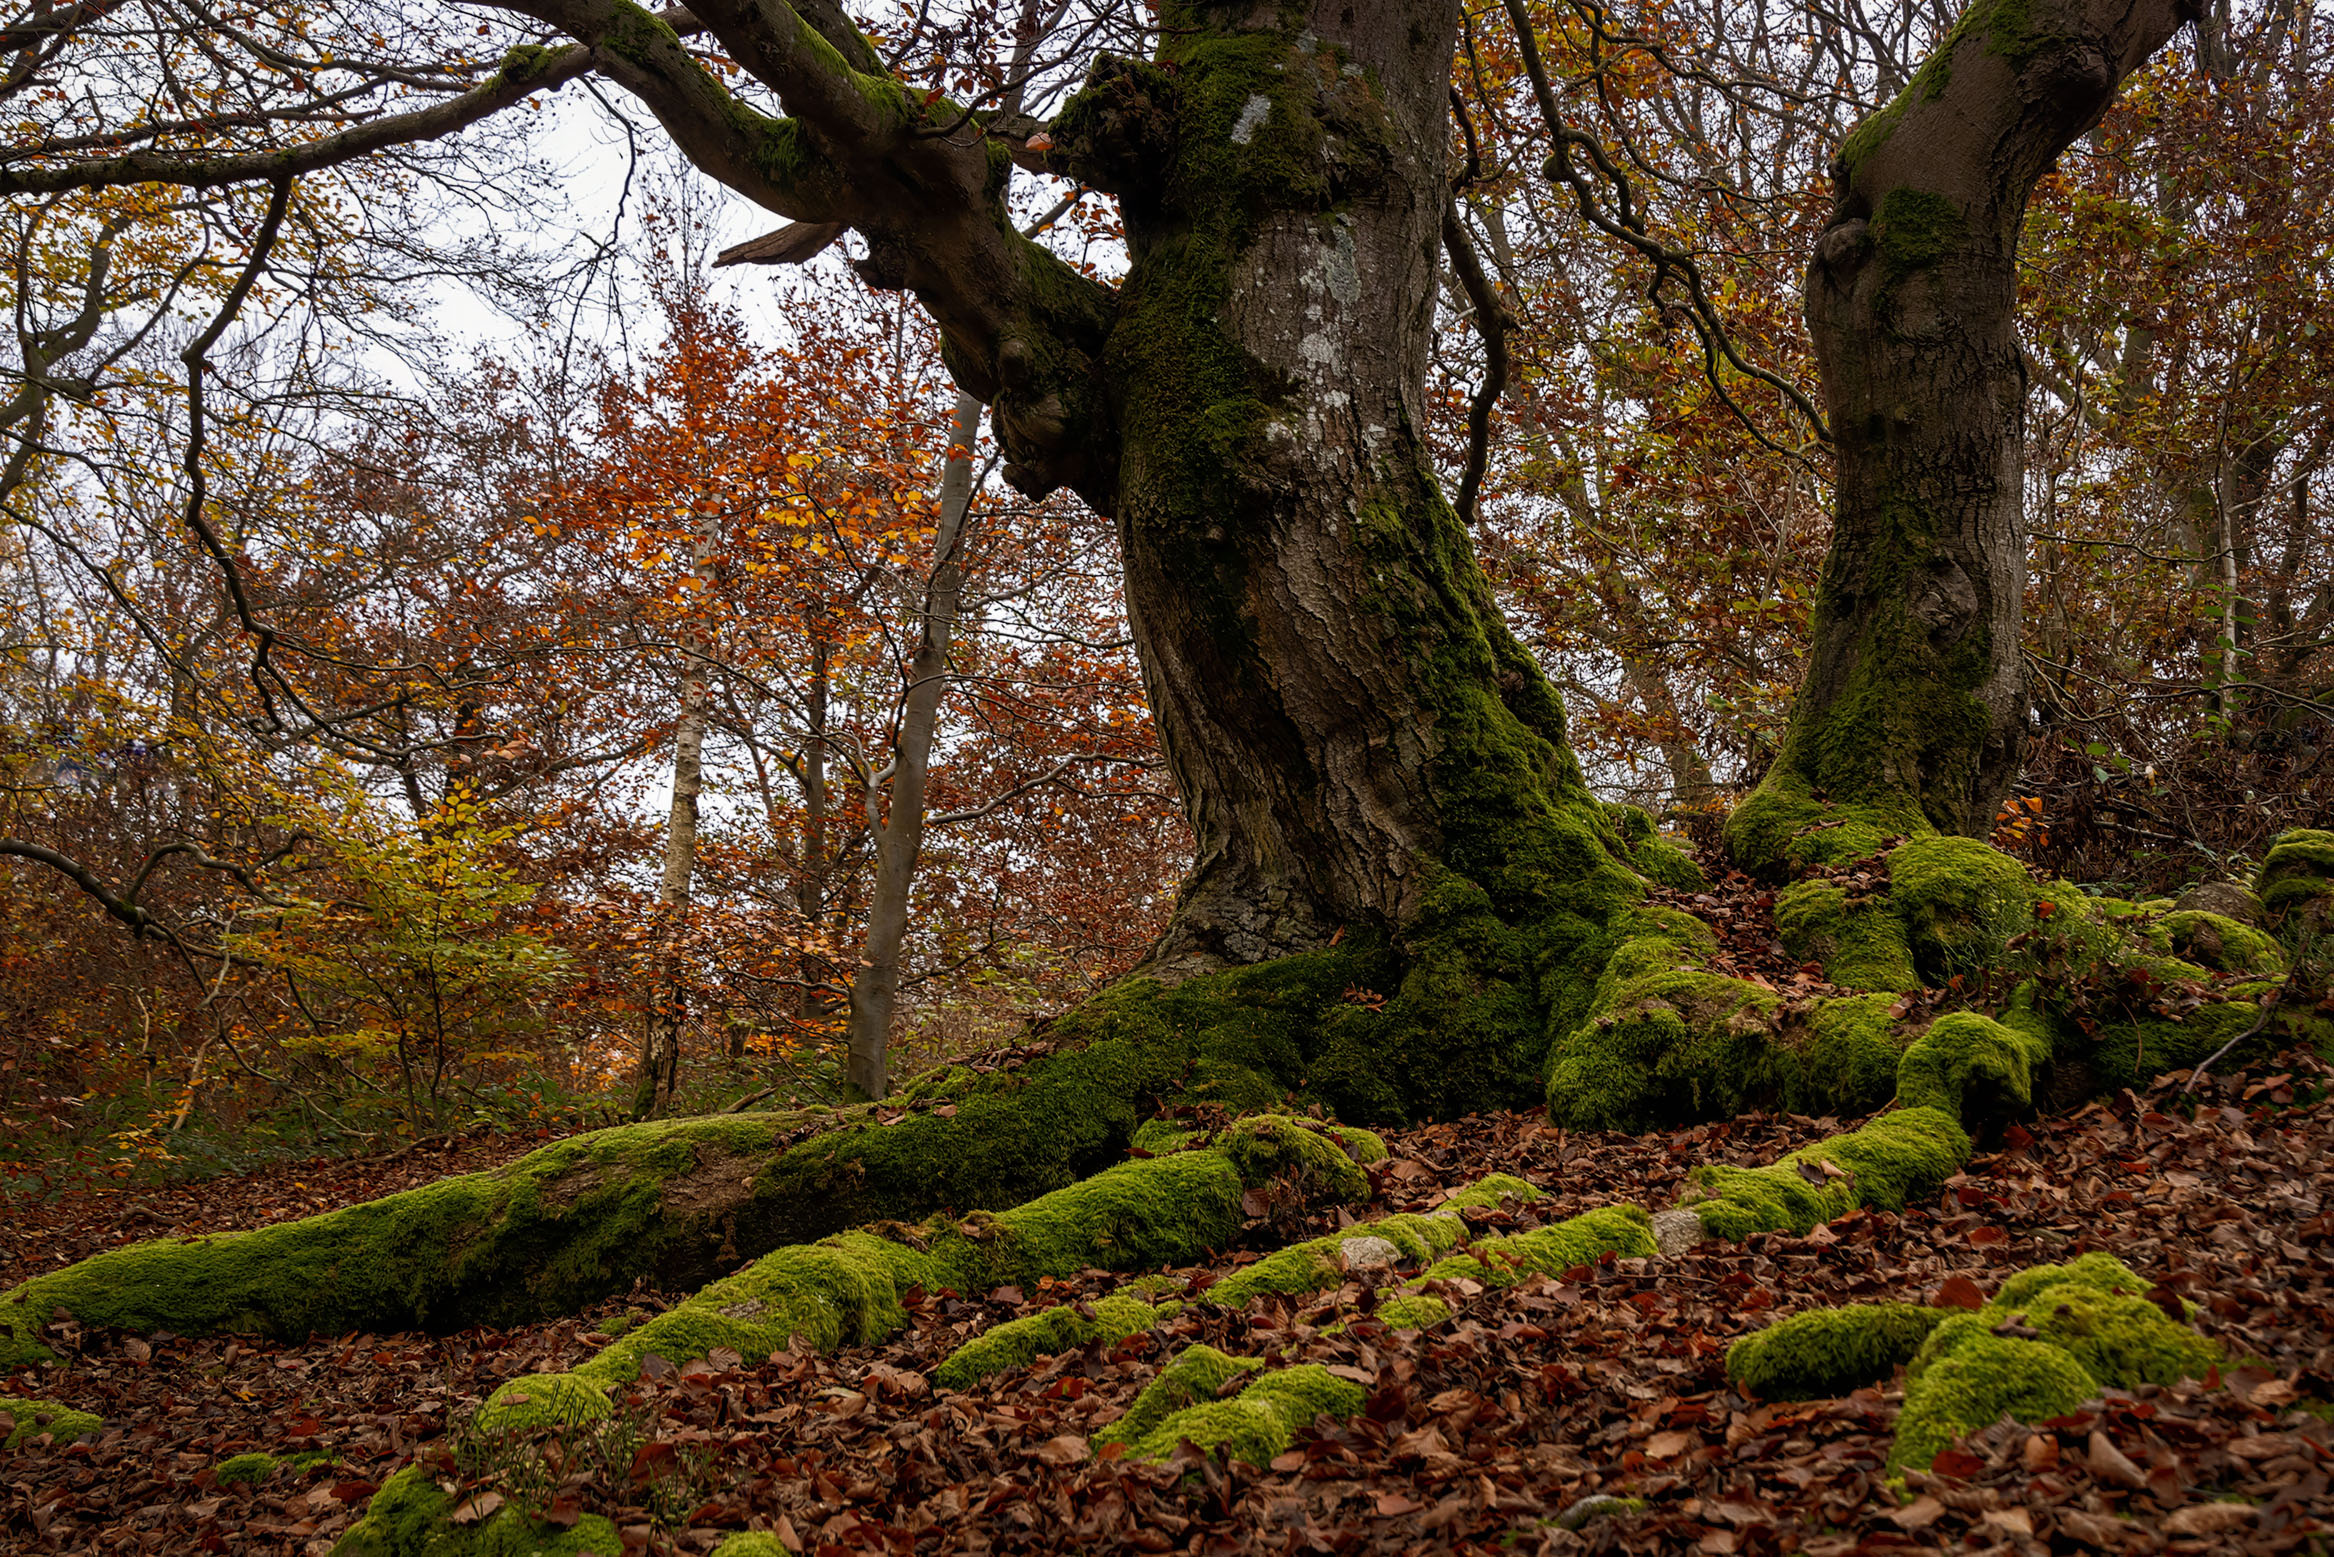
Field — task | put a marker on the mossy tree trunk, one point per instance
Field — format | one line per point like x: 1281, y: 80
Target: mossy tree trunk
x: 1914, y: 704
x: 1346, y: 715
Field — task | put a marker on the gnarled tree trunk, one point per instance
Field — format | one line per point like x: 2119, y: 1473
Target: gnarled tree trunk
x: 1347, y: 717
x: 1914, y: 704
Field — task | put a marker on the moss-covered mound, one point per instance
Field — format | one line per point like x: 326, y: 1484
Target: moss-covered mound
x: 2217, y: 942
x: 32, y: 1419
x: 2047, y: 1342
x: 1856, y: 936
x: 1667, y: 1040
x: 1827, y: 1352
x: 2296, y: 881
x: 1186, y: 1403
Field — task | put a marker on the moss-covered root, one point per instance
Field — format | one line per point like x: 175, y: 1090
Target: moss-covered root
x: 1829, y: 1351
x: 35, y: 1419
x: 1974, y: 1069
x: 1856, y: 936
x: 2049, y: 1340
x: 1019, y: 1342
x: 1624, y: 1231
x: 1666, y: 1040
x: 1892, y: 1160
x: 1312, y: 1266
x: 848, y: 1288
x: 557, y: 1229
x: 2296, y: 882
x: 1186, y: 1402
x: 411, y: 1516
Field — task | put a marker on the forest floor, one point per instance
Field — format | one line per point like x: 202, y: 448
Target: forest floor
x: 1478, y: 1433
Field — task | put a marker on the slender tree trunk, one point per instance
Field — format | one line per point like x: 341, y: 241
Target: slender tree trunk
x: 810, y: 888
x: 899, y: 837
x: 1914, y: 705
x: 660, y: 1038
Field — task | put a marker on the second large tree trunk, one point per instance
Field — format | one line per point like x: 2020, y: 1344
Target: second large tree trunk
x: 1914, y: 704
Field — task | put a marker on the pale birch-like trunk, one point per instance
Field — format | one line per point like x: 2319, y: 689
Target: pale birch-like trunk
x: 899, y: 835
x: 660, y: 1038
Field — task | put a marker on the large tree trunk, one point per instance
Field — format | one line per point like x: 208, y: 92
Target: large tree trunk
x: 1347, y: 717
x: 1914, y: 705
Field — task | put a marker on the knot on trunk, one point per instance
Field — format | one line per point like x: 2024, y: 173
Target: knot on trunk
x: 1947, y: 603
x: 1118, y: 133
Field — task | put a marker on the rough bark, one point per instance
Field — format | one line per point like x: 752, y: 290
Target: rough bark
x: 899, y: 837
x: 1346, y: 716
x: 1914, y: 705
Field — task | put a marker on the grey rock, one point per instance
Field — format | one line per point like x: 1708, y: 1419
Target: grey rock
x: 1676, y: 1231
x: 2226, y: 898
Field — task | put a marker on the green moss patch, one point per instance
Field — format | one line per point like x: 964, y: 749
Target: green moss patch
x: 1857, y: 937
x: 32, y: 1418
x: 1253, y: 1425
x: 540, y: 1401
x: 559, y: 1228
x: 411, y: 1516
x: 1890, y: 1161
x: 2047, y: 1342
x: 1827, y: 1352
x: 2216, y: 941
x: 1986, y: 1377
x: 1551, y: 1250
x: 1959, y: 902
x: 2296, y: 878
x: 244, y: 1470
x: 1972, y: 1068
x: 1019, y: 1342
x: 1315, y: 1265
x: 1198, y: 1373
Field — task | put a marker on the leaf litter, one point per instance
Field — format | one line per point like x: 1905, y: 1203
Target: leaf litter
x: 1479, y: 1435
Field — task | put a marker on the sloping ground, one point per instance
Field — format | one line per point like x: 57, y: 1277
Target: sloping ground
x: 1477, y: 1434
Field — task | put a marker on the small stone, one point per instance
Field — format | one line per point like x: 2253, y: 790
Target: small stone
x: 2225, y: 898
x: 1674, y: 1232
x: 1597, y: 1505
x: 1368, y: 1253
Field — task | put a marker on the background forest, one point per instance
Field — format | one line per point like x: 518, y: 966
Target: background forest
x: 454, y: 633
